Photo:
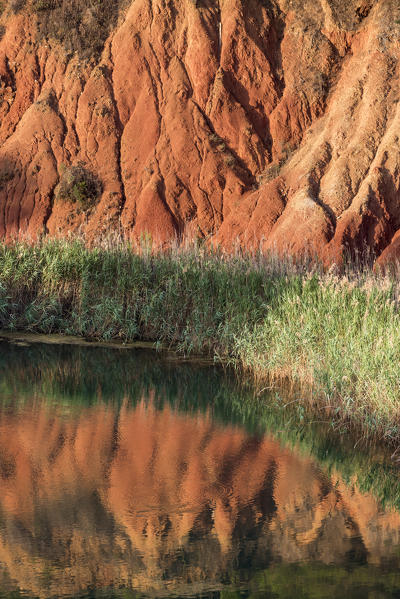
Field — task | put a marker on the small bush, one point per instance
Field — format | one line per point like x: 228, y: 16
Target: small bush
x: 269, y: 174
x: 81, y: 27
x: 229, y: 159
x: 16, y: 5
x: 38, y: 5
x: 79, y: 186
x: 5, y: 176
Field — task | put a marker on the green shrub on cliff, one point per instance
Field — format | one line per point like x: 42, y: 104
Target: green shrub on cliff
x: 79, y: 186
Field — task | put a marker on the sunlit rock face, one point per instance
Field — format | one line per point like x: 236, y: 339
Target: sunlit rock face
x: 165, y: 502
x: 253, y: 122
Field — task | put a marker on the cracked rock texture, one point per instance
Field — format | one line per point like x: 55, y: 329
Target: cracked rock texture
x: 272, y: 122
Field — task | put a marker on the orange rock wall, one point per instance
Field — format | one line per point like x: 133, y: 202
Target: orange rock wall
x: 245, y: 121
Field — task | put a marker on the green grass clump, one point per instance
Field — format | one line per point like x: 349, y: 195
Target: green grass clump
x: 335, y: 338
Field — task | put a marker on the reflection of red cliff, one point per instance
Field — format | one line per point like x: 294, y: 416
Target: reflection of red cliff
x: 107, y: 487
x: 283, y: 131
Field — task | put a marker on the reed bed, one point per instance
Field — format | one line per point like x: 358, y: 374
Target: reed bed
x: 335, y: 338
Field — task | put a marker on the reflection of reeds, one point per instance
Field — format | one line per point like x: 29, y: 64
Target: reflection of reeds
x: 336, y: 335
x: 157, y: 500
x: 74, y: 377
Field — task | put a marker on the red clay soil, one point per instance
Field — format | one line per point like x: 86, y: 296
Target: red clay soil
x: 244, y: 121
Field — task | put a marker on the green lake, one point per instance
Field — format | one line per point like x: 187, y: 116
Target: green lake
x: 125, y: 473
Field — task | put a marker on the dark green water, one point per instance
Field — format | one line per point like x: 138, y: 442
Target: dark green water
x: 127, y: 475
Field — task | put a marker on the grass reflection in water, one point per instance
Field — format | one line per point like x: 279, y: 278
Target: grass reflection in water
x: 123, y: 471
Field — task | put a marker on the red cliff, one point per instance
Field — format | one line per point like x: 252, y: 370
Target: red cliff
x: 245, y: 121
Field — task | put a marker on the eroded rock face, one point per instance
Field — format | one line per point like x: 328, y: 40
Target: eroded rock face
x: 271, y: 122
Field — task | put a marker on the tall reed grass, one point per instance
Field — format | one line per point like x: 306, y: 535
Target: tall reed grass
x: 335, y: 338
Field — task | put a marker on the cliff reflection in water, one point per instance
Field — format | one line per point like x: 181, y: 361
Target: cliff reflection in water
x: 143, y: 496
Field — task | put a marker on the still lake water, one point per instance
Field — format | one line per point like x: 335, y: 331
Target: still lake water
x: 125, y: 475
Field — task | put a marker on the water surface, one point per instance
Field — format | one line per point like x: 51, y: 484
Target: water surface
x: 126, y: 475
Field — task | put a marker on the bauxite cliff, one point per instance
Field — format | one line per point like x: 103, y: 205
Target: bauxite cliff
x: 252, y: 121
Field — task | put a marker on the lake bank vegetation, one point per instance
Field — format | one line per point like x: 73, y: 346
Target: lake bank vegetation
x: 335, y: 338
x: 71, y: 378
